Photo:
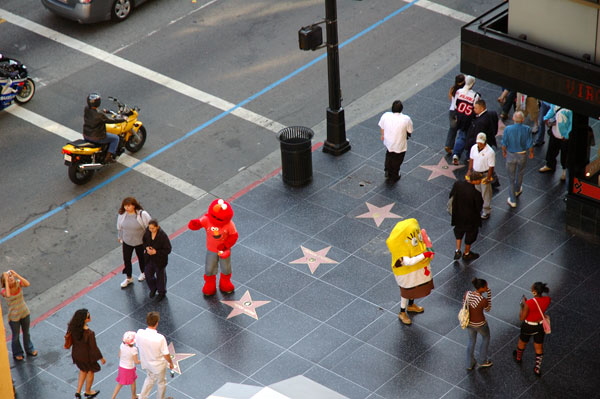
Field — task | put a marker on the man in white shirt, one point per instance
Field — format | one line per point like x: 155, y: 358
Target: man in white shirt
x: 395, y: 131
x: 482, y: 161
x: 154, y: 356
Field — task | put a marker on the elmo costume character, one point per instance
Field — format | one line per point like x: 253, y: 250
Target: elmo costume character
x: 411, y: 255
x: 221, y: 235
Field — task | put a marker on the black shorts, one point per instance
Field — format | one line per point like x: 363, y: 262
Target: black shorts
x: 470, y: 234
x: 528, y: 331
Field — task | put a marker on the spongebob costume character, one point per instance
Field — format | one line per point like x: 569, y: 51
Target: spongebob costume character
x: 411, y: 255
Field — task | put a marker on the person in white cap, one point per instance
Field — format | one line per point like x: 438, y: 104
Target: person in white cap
x: 482, y: 161
x: 128, y: 358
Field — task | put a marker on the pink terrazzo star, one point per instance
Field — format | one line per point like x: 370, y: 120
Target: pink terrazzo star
x: 244, y: 306
x: 177, y: 357
x: 314, y: 258
x: 443, y: 168
x: 379, y: 214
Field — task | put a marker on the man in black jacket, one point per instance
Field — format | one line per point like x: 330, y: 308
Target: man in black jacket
x: 485, y: 121
x: 94, y: 126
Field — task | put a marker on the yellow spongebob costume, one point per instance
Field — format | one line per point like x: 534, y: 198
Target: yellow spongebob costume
x: 408, y: 243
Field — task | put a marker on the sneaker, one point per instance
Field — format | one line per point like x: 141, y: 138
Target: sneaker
x: 457, y: 254
x: 512, y: 204
x: 470, y: 256
x: 488, y: 363
x: 563, y: 177
x: 141, y: 277
x: 455, y: 159
x: 126, y: 282
x: 485, y: 215
x: 545, y: 169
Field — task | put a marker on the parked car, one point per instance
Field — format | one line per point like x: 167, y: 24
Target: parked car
x: 89, y: 11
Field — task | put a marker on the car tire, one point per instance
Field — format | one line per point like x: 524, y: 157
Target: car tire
x: 121, y: 9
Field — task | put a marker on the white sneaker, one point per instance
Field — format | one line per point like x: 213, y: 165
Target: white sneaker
x: 141, y: 277
x: 512, y: 204
x: 126, y: 282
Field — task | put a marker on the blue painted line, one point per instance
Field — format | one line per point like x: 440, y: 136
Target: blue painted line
x: 199, y: 128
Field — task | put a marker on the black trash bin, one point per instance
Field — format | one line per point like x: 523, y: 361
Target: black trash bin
x: 296, y: 155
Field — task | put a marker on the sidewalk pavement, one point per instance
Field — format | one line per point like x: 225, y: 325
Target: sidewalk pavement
x: 331, y: 314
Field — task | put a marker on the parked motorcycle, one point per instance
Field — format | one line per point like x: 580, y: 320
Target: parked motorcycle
x: 15, y: 85
x: 83, y: 157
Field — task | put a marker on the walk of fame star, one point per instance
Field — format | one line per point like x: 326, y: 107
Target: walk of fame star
x: 443, y: 168
x: 244, y: 306
x: 314, y: 258
x: 177, y: 357
x: 379, y: 213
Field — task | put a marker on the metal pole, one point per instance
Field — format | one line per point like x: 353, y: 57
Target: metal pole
x: 336, y: 143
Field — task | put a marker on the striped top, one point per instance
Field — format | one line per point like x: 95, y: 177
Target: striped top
x: 477, y: 304
x: 17, y: 308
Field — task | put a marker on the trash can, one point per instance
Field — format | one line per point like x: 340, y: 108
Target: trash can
x: 296, y: 155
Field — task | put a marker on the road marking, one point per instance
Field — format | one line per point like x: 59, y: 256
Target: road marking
x: 71, y: 135
x: 443, y: 10
x: 142, y: 71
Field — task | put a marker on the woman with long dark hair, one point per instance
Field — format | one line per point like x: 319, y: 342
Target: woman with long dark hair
x: 531, y: 315
x: 459, y: 83
x: 85, y: 352
x: 131, y: 225
x: 158, y: 248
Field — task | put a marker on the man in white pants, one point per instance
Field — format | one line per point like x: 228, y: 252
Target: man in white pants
x: 154, y: 356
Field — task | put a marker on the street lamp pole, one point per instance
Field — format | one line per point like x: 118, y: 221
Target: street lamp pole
x: 336, y: 143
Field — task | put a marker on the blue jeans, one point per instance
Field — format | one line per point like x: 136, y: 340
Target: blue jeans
x: 111, y: 139
x: 461, y: 141
x: 484, y: 331
x: 16, y: 327
x: 515, y: 167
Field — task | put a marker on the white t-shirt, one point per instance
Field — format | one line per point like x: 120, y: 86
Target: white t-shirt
x: 395, y: 128
x: 152, y: 347
x: 126, y: 356
x: 484, y: 159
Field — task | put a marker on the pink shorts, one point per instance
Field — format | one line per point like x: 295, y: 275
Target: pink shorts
x: 126, y: 376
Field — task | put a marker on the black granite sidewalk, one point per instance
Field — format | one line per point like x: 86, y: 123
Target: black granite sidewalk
x: 338, y: 325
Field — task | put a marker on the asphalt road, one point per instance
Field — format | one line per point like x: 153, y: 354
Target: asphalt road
x: 229, y: 49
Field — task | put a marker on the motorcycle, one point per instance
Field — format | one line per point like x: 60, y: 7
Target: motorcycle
x: 83, y: 157
x: 15, y: 85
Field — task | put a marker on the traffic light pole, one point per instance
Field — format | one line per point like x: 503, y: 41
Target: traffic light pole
x: 336, y: 143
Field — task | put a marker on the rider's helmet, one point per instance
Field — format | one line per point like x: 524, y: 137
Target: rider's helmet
x: 94, y: 100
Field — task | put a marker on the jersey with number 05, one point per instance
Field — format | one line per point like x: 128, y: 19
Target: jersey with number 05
x: 464, y: 100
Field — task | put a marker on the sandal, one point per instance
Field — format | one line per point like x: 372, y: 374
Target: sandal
x: 32, y: 354
x: 19, y: 358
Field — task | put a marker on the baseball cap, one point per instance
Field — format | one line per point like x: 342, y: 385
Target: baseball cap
x: 469, y: 81
x: 129, y: 338
x: 481, y: 138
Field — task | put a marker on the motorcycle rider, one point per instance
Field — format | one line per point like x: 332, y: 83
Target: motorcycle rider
x: 8, y: 71
x: 94, y: 126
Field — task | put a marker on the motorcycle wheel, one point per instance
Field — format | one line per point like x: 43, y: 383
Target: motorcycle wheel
x: 78, y: 176
x: 136, y: 140
x: 26, y: 92
x: 120, y: 10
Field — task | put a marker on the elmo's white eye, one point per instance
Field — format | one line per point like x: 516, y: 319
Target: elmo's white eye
x: 214, y: 228
x: 414, y: 241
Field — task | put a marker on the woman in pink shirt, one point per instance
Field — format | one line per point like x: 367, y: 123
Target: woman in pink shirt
x: 532, y: 324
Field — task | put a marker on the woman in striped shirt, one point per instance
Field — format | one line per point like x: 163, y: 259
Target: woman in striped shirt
x: 477, y: 324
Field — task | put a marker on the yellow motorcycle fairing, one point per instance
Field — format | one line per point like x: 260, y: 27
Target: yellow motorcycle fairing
x: 120, y: 128
x: 71, y: 149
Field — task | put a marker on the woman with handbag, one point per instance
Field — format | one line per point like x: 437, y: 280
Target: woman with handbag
x: 478, y: 303
x: 132, y: 222
x: 532, y: 314
x: 85, y: 352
